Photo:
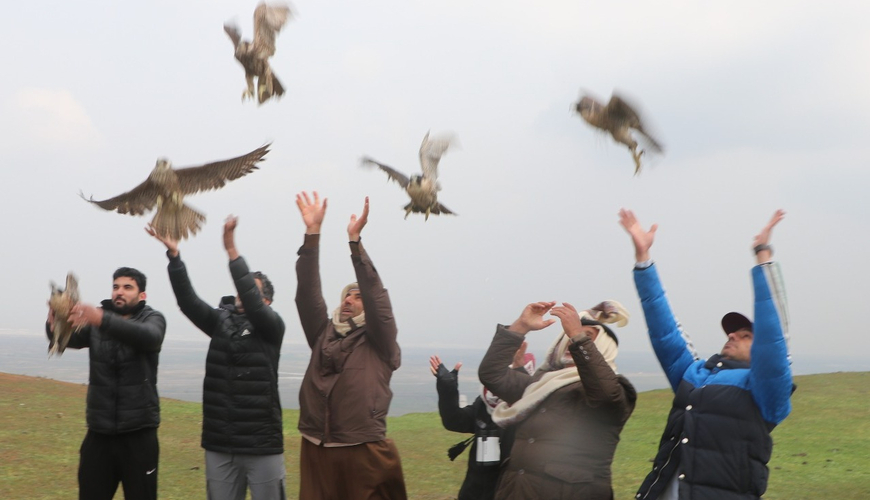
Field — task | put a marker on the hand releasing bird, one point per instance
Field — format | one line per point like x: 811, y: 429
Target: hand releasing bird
x: 423, y: 189
x: 166, y: 188
x: 619, y: 119
x: 254, y: 56
x: 60, y: 303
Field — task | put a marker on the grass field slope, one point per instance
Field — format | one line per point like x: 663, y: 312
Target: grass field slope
x: 822, y: 451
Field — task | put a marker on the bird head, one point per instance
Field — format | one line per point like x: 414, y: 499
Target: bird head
x: 586, y: 106
x: 163, y: 164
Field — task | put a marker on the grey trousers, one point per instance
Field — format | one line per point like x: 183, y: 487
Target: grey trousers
x: 229, y: 476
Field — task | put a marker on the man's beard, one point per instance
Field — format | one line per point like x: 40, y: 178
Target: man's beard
x: 127, y: 308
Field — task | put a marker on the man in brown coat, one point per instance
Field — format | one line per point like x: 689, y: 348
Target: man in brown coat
x: 345, y: 394
x: 569, y: 414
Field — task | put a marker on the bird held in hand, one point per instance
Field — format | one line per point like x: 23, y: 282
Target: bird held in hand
x: 60, y: 303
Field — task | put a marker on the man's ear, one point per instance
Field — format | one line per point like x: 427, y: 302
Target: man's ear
x: 142, y: 295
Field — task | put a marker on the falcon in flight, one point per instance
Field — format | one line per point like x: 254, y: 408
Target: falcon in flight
x: 254, y: 56
x: 60, y: 303
x: 618, y: 118
x: 423, y: 189
x: 166, y: 188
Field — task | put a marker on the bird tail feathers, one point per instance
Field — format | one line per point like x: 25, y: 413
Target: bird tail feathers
x: 177, y: 224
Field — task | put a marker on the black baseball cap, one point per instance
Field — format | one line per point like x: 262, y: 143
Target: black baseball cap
x: 734, y: 321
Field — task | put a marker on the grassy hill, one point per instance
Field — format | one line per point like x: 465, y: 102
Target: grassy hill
x: 821, y: 451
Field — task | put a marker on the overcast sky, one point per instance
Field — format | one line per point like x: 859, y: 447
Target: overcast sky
x: 760, y: 105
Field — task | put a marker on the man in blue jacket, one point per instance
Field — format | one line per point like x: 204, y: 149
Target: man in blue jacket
x: 716, y: 443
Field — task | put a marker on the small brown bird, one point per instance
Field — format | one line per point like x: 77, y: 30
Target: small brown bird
x: 618, y: 118
x: 166, y: 187
x: 60, y: 303
x: 423, y: 189
x: 254, y: 56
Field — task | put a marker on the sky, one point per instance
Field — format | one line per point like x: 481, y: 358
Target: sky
x: 759, y: 106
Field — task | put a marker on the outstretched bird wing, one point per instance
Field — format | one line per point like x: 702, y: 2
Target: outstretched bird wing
x: 619, y: 111
x: 137, y: 201
x: 233, y: 32
x: 394, y: 174
x: 268, y: 21
x: 430, y: 154
x: 216, y: 174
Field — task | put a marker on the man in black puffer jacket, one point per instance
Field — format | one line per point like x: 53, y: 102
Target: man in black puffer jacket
x: 242, y: 430
x: 123, y: 412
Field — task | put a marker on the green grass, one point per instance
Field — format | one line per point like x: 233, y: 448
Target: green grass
x: 821, y: 451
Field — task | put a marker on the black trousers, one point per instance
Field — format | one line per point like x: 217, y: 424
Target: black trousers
x: 129, y: 458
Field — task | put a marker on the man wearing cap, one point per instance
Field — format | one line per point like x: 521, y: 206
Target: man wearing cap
x: 716, y: 443
x: 345, y: 394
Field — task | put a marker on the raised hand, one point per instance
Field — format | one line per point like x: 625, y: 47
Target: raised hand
x: 356, y: 225
x: 532, y: 318
x: 230, y: 236
x: 570, y: 319
x: 642, y: 239
x: 170, y: 243
x: 761, y: 241
x: 520, y: 355
x: 435, y: 365
x: 312, y: 211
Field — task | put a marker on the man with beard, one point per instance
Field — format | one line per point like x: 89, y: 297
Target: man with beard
x: 124, y: 336
x: 242, y: 427
x: 345, y: 394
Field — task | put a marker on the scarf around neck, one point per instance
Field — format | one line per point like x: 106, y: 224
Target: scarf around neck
x: 344, y: 327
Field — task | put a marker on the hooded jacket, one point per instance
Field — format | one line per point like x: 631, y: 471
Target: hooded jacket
x: 122, y: 380
x: 241, y: 408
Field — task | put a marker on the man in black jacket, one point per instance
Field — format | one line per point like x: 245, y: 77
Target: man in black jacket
x: 242, y: 429
x: 123, y: 410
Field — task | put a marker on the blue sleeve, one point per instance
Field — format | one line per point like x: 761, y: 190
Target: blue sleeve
x: 770, y: 377
x: 672, y: 347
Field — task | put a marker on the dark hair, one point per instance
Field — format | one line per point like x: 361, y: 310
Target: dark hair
x: 134, y: 274
x: 268, y: 289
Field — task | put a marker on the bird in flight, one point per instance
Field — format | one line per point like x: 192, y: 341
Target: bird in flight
x: 423, y: 189
x: 254, y: 56
x: 166, y: 188
x: 618, y: 118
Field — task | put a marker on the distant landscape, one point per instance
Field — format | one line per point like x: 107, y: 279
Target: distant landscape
x: 820, y: 450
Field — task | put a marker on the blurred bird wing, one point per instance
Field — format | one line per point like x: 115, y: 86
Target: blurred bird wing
x: 618, y: 110
x: 216, y: 174
x: 430, y: 154
x: 137, y: 201
x: 233, y: 31
x: 72, y: 287
x: 268, y: 21
x: 394, y: 174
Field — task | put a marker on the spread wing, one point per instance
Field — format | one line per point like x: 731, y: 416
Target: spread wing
x: 394, y: 174
x: 72, y: 287
x: 430, y: 154
x: 268, y: 21
x: 216, y: 174
x: 137, y: 201
x: 233, y: 32
x: 620, y: 111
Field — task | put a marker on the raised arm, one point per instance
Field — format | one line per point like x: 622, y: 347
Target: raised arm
x: 453, y: 417
x: 672, y: 346
x: 770, y: 373
x: 313, y: 314
x: 494, y: 372
x: 380, y: 322
x: 266, y: 321
x: 197, y: 311
x: 601, y: 384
